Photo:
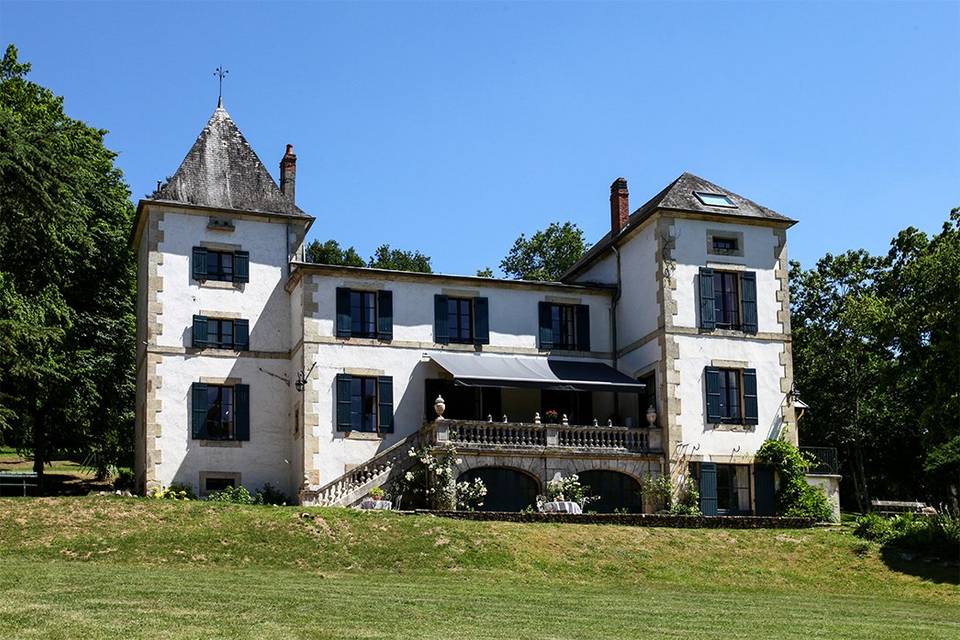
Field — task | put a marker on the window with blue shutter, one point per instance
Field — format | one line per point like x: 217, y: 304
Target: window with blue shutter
x: 385, y: 315
x: 711, y: 377
x: 545, y: 311
x: 748, y: 300
x: 198, y: 410
x: 441, y: 333
x: 385, y: 404
x: 708, y: 488
x: 344, y: 401
x: 765, y: 489
x: 583, y: 327
x: 481, y: 321
x: 707, y: 302
x: 241, y: 335
x: 241, y: 407
x: 344, y: 323
x: 241, y: 266
x: 199, y: 333
x: 199, y: 263
x: 750, y: 408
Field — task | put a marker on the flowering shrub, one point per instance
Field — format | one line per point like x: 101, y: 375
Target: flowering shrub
x: 569, y: 489
x: 431, y: 483
x: 795, y: 497
x: 551, y: 416
x: 175, y: 491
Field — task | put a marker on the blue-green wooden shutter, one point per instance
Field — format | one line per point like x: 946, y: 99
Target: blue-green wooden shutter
x: 385, y: 315
x: 750, y: 409
x: 748, y: 300
x: 344, y: 381
x: 708, y: 488
x: 198, y: 391
x: 241, y: 335
x: 711, y: 381
x: 199, y: 263
x: 241, y: 411
x: 708, y: 315
x: 343, y: 313
x: 583, y: 327
x: 546, y: 326
x: 385, y: 404
x: 481, y: 321
x: 765, y: 489
x: 441, y: 330
x: 241, y: 266
x: 199, y: 332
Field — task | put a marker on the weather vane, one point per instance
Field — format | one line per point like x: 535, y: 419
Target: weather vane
x: 220, y: 72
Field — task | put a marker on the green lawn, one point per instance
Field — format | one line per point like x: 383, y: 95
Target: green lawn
x: 110, y: 567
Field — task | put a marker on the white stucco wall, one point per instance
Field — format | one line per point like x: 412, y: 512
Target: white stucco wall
x: 690, y: 253
x: 638, y: 311
x: 264, y: 458
x: 262, y: 300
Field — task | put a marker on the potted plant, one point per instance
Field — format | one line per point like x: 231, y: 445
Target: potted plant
x: 377, y: 493
x: 551, y: 416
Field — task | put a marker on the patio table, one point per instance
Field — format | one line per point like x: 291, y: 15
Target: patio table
x: 562, y: 507
x: 370, y: 503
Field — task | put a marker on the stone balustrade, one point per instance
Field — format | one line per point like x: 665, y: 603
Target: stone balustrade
x: 523, y: 435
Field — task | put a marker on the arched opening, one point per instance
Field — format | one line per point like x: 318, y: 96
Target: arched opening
x: 507, y: 489
x: 616, y: 491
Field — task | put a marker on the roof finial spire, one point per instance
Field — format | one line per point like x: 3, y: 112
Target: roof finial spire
x: 220, y: 72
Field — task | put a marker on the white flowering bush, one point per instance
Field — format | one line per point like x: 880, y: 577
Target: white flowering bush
x: 431, y: 483
x: 569, y: 489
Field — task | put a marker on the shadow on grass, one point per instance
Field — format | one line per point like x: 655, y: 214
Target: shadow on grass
x: 928, y: 569
x: 60, y: 484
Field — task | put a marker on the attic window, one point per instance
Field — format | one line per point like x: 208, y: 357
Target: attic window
x: 714, y: 199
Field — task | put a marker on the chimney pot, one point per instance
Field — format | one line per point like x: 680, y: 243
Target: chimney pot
x: 619, y: 206
x: 288, y: 174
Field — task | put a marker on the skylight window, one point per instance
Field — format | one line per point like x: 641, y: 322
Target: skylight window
x: 714, y: 199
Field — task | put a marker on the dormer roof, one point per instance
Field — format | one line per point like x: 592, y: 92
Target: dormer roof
x: 688, y: 193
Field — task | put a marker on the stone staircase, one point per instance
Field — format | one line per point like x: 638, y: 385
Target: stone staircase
x: 350, y: 488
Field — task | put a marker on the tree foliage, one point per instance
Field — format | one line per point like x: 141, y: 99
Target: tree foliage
x: 384, y: 257
x: 877, y: 357
x: 67, y: 281
x: 330, y: 252
x: 547, y: 254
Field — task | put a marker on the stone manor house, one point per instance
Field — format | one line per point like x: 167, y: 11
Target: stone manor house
x: 665, y: 350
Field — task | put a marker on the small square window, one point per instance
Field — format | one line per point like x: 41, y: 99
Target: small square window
x: 714, y: 199
x: 218, y: 484
x: 725, y: 245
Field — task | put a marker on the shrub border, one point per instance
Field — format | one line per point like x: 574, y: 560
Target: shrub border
x: 632, y: 519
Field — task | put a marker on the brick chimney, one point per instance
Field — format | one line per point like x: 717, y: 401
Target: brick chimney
x: 619, y: 206
x: 288, y: 173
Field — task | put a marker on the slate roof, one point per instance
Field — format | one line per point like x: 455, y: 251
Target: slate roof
x: 222, y: 171
x: 679, y: 196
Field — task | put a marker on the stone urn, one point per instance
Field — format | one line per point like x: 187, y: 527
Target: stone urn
x: 439, y: 405
x: 651, y: 416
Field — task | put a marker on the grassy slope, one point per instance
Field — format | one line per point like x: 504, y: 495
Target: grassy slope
x: 109, y: 567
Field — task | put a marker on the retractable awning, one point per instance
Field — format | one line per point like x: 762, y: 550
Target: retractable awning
x: 539, y: 373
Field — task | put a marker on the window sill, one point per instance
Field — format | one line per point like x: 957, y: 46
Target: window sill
x: 219, y: 284
x: 215, y: 351
x: 366, y: 342
x: 733, y: 427
x: 228, y: 444
x: 733, y: 333
x: 362, y: 435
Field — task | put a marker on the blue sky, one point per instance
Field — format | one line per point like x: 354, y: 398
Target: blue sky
x: 453, y: 127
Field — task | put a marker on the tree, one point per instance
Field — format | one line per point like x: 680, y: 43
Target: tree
x: 877, y: 356
x: 396, y: 260
x: 547, y: 254
x: 67, y: 282
x: 486, y: 272
x: 329, y: 252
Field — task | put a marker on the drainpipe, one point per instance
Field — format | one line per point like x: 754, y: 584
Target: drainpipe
x: 613, y: 322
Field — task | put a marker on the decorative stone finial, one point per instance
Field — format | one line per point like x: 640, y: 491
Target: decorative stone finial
x: 609, y: 422
x: 565, y: 420
x: 536, y: 418
x: 439, y: 405
x: 489, y: 417
x: 595, y: 423
x: 504, y: 418
x: 651, y: 415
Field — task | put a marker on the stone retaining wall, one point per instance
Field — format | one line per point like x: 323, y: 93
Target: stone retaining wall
x: 633, y: 520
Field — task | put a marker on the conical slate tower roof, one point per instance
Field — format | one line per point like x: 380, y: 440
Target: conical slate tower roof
x: 222, y: 171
